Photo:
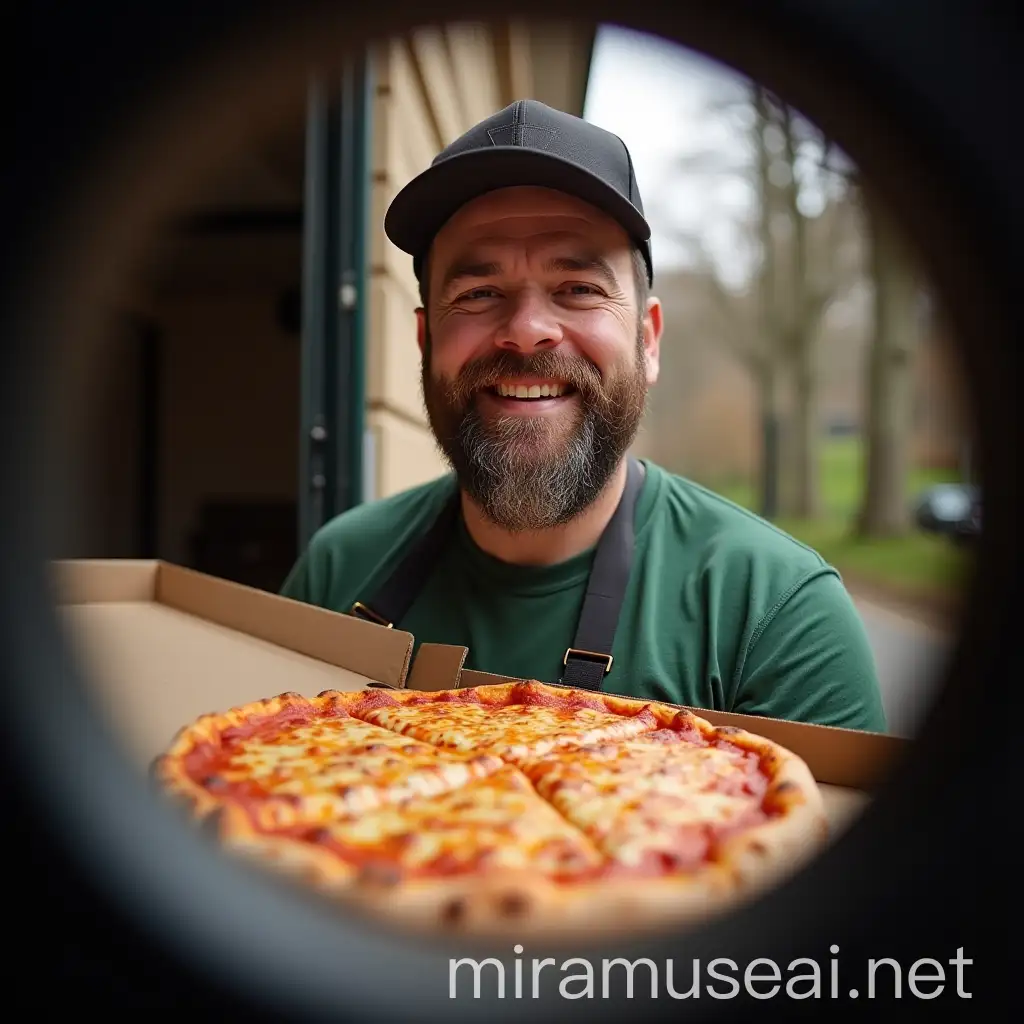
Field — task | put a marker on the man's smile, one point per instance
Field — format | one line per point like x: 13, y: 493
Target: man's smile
x: 532, y: 388
x: 527, y: 396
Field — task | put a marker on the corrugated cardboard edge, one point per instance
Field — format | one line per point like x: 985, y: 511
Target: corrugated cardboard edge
x: 355, y: 645
x: 836, y: 756
x: 350, y: 643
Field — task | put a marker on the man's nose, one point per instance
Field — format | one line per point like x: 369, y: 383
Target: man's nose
x: 531, y: 326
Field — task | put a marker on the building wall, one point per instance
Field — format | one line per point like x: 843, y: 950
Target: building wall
x: 430, y: 87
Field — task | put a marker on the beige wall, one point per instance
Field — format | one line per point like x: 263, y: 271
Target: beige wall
x: 430, y: 88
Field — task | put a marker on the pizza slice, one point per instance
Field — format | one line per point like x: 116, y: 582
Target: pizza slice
x: 662, y: 803
x: 291, y: 759
x: 488, y: 853
x: 514, y: 721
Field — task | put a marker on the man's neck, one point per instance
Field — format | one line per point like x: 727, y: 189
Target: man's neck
x: 548, y: 546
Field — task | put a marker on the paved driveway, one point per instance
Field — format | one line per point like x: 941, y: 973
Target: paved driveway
x: 911, y: 658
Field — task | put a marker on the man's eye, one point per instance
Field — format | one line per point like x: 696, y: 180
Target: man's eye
x: 581, y: 289
x: 478, y: 293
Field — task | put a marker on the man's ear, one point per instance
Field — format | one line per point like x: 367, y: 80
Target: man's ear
x: 421, y: 329
x: 653, y: 327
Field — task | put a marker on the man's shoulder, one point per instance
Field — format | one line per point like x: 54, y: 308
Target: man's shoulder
x: 384, y: 521
x: 724, y: 530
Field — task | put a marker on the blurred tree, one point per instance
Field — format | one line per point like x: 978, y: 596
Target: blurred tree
x: 898, y: 299
x: 806, y: 255
x: 771, y: 368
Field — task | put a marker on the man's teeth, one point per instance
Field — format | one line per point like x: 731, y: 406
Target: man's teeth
x: 533, y: 391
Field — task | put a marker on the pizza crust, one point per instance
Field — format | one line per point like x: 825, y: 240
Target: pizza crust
x: 514, y: 904
x: 522, y: 905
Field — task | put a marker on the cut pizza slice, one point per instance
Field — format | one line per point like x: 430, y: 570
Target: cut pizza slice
x: 514, y: 722
x: 292, y: 759
x: 659, y: 803
x: 493, y: 840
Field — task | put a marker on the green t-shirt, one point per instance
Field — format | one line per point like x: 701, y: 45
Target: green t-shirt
x: 722, y: 611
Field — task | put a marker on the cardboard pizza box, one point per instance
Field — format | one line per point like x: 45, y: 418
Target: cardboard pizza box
x: 162, y: 645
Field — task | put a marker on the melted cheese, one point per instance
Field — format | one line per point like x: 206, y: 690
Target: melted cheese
x: 641, y: 798
x: 512, y: 732
x: 497, y: 822
x: 346, y: 765
x: 310, y: 749
x: 445, y: 787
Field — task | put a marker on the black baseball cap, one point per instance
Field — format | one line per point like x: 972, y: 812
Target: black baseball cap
x: 527, y: 143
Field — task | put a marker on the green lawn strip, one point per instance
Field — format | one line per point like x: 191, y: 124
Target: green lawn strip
x: 916, y: 566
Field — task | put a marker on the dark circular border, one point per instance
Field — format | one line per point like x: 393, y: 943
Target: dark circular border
x: 919, y: 94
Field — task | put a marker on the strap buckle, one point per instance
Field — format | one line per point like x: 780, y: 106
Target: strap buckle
x: 369, y: 613
x: 589, y: 655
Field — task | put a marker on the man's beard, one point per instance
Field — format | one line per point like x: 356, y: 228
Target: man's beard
x: 533, y: 472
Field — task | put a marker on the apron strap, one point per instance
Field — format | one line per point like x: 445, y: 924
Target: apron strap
x: 589, y: 660
x: 396, y: 596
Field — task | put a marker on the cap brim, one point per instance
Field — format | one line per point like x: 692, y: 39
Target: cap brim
x: 429, y: 201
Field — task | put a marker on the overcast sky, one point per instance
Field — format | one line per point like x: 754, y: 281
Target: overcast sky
x: 656, y: 96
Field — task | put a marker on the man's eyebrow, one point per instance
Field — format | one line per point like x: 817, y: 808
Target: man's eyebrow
x: 469, y: 269
x: 585, y: 264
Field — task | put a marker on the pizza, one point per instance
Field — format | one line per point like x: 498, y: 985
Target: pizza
x: 501, y: 809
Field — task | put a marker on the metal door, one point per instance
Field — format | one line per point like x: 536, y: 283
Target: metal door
x: 334, y: 297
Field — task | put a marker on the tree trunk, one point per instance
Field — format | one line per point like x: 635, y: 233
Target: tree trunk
x: 800, y: 340
x: 772, y: 371
x: 789, y: 464
x: 770, y: 439
x: 885, y: 508
x: 807, y: 440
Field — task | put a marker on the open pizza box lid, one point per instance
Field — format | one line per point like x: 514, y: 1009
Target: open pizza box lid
x: 162, y: 645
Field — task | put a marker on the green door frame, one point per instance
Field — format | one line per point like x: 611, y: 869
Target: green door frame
x: 334, y: 297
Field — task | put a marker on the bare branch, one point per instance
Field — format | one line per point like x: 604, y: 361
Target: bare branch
x: 831, y: 275
x: 767, y: 278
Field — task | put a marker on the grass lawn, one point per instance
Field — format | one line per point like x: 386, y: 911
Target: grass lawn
x: 919, y: 566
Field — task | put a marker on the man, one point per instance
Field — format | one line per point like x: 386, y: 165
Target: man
x: 550, y: 553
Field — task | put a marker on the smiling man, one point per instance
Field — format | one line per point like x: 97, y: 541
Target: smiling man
x: 550, y: 552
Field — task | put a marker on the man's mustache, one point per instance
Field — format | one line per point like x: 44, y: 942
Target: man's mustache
x: 487, y: 371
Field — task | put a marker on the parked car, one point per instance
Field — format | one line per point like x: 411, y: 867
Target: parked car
x: 952, y: 510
